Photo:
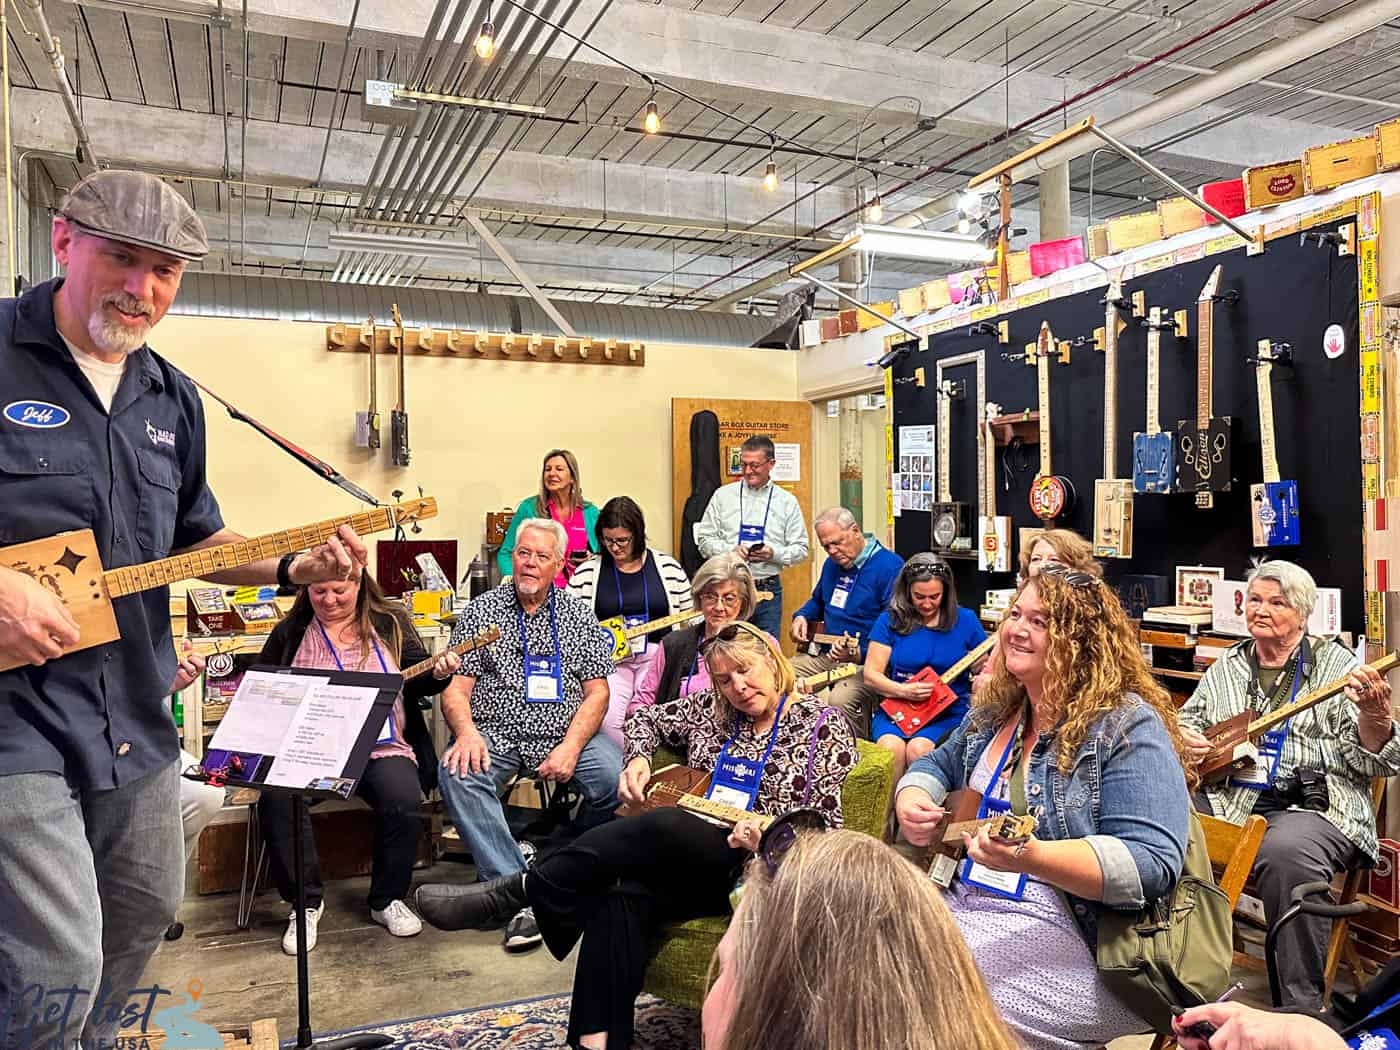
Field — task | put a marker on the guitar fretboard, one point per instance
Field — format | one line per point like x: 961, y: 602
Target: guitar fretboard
x: 1262, y: 372
x: 1297, y: 707
x: 1205, y: 337
x: 133, y: 578
x: 973, y: 655
x: 1045, y: 346
x: 422, y: 667
x: 1154, y: 370
x: 666, y: 621
x: 1110, y: 386
x: 822, y: 679
x: 945, y: 431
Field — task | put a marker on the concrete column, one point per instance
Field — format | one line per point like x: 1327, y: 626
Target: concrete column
x: 850, y: 272
x: 1054, y: 204
x: 852, y: 468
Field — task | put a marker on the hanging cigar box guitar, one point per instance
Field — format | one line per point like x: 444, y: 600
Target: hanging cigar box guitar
x: 480, y: 641
x: 70, y: 567
x: 826, y: 679
x: 993, y: 529
x: 951, y: 522
x: 1273, y: 504
x: 1154, y: 451
x: 1052, y: 495
x: 1113, y: 496
x: 398, y: 418
x: 367, y: 423
x: 684, y: 788
x: 623, y: 637
x: 960, y: 808
x: 909, y: 716
x: 1233, y: 741
x: 1203, y: 444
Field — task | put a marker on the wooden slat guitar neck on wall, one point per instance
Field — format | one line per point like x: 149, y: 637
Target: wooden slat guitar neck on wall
x: 1203, y: 444
x: 1052, y: 495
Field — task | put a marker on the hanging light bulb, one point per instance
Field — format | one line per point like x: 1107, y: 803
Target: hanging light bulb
x: 486, y: 39
x: 770, y: 176
x: 964, y: 226
x: 876, y: 211
x: 651, y: 118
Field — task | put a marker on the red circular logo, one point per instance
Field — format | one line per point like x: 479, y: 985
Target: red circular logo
x: 1047, y: 497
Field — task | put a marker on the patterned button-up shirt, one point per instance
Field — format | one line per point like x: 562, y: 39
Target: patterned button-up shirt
x: 499, y: 708
x: 1324, y: 737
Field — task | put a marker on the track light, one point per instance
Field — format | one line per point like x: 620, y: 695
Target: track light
x: 486, y: 39
x: 651, y: 118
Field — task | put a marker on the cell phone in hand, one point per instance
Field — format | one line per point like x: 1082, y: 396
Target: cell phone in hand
x: 579, y: 557
x: 1201, y: 1030
x: 754, y: 548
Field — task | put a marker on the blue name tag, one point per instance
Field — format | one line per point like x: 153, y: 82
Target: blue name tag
x: 1010, y: 884
x: 735, y: 782
x: 751, y: 534
x: 639, y: 643
x: 542, y: 680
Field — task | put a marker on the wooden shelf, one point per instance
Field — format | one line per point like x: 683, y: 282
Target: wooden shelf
x: 1023, y: 425
x: 1166, y: 672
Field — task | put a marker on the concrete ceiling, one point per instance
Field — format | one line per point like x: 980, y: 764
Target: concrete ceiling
x: 588, y: 203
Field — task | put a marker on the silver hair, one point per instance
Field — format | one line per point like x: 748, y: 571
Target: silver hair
x: 838, y: 516
x: 549, y: 525
x: 728, y: 567
x: 1298, y: 587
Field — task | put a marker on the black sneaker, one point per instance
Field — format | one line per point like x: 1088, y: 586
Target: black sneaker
x: 522, y: 933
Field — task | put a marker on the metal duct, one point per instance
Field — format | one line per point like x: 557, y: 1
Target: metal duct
x: 290, y: 299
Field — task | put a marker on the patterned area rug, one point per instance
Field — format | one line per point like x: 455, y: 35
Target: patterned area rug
x: 529, y: 1024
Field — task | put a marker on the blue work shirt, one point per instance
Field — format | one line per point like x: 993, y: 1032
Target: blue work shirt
x: 136, y: 478
x: 871, y: 579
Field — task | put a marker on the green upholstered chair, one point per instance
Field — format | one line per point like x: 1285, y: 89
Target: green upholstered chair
x: 682, y: 958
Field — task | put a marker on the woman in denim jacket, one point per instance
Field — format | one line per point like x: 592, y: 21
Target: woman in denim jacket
x: 1073, y: 729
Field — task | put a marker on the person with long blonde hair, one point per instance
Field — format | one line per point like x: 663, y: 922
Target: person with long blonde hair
x: 1073, y: 730
x: 843, y: 945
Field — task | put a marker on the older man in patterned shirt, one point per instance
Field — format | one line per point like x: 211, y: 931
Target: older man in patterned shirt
x: 532, y: 700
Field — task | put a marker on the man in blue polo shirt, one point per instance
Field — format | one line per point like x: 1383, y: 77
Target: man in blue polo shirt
x: 852, y: 591
x: 98, y: 432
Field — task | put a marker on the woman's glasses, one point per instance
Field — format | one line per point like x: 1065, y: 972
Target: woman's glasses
x: 924, y: 570
x: 1070, y: 576
x: 622, y: 543
x: 781, y: 835
x: 730, y: 601
x: 727, y: 633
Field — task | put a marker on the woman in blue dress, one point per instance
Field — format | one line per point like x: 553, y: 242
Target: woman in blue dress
x: 923, y: 627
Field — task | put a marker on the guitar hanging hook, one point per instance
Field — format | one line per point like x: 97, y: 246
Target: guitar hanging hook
x: 1279, y: 355
x: 982, y: 328
x: 1229, y: 297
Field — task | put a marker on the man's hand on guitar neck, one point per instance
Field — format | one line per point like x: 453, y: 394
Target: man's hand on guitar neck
x: 34, y: 625
x: 632, y: 785
x: 342, y: 557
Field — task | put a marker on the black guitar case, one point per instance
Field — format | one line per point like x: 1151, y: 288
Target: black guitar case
x: 704, y: 480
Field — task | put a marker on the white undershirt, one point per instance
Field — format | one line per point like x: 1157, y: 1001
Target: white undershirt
x: 104, y: 377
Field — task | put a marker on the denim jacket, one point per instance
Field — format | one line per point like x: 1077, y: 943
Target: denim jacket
x: 1125, y: 795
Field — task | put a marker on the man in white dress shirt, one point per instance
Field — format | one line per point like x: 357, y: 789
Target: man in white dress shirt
x: 762, y: 522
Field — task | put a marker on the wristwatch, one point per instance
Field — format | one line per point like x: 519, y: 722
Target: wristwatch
x: 284, y: 570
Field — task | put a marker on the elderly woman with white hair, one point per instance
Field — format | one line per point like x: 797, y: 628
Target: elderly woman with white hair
x: 1312, y: 780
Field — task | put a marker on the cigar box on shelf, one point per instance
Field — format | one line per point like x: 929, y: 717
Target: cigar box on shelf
x: 1273, y: 184
x: 911, y: 302
x: 1190, y: 617
x: 1098, y: 241
x: 1179, y: 214
x: 850, y: 321
x: 830, y: 328
x: 1388, y: 145
x: 1209, y: 648
x: 1338, y: 163
x: 1132, y: 231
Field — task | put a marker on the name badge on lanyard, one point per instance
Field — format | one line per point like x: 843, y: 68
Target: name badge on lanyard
x: 1010, y: 884
x: 842, y: 593
x: 543, y: 674
x: 1260, y: 776
x: 751, y: 534
x: 735, y: 781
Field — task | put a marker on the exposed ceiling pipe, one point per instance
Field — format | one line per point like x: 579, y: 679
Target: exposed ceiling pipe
x: 86, y: 158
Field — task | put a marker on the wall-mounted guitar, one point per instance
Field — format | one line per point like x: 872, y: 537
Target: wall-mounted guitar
x: 69, y: 565
x: 398, y: 418
x: 993, y: 529
x: 1154, y: 451
x: 367, y: 423
x: 951, y: 523
x: 1052, y: 495
x: 1273, y: 504
x: 1203, y: 444
x: 1113, y: 496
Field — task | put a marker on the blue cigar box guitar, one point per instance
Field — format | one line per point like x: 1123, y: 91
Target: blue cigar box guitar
x: 1154, y: 450
x: 1273, y: 504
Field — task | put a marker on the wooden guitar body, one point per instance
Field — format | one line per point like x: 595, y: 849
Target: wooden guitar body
x: 1233, y: 750
x: 684, y: 788
x: 1154, y: 463
x: 960, y: 815
x: 1274, y: 512
x: 1203, y: 458
x: 68, y: 565
x: 1113, y: 518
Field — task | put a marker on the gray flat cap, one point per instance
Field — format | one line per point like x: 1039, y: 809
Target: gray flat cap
x: 136, y: 208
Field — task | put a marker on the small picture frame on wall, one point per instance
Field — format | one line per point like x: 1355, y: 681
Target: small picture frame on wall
x: 1195, y: 583
x: 736, y: 465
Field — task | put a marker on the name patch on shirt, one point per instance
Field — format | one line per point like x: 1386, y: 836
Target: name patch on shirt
x: 41, y: 415
x: 158, y: 436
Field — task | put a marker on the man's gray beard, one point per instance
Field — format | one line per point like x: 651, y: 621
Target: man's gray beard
x: 112, y: 337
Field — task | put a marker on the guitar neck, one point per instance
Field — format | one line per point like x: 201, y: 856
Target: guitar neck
x: 422, y: 667
x: 1042, y: 366
x: 663, y: 622
x: 945, y: 430
x: 202, y: 563
x: 1262, y: 373
x: 1297, y: 707
x: 983, y: 648
x: 1204, y: 363
x: 835, y: 639
x: 822, y: 679
x: 718, y: 810
x: 1154, y: 371
x: 1110, y: 391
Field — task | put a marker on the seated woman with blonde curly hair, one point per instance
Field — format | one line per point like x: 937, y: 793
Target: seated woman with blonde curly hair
x: 1073, y: 730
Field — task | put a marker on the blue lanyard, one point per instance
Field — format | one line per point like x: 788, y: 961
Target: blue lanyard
x: 767, y: 507
x: 1293, y: 694
x: 842, y: 572
x: 646, y: 591
x: 996, y: 773
x: 525, y: 642
x: 336, y: 656
x: 772, y: 739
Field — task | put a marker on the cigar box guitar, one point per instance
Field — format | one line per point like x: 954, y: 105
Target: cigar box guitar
x: 684, y: 788
x: 1113, y: 496
x: 1052, y: 495
x: 912, y: 715
x: 1273, y: 504
x: 622, y: 635
x: 1203, y: 444
x: 1154, y: 450
x: 1233, y: 741
x: 950, y: 524
x: 398, y: 418
x: 468, y: 645
x: 960, y: 808
x: 993, y: 529
x: 70, y: 567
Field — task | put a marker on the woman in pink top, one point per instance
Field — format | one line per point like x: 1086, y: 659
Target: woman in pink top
x: 561, y: 498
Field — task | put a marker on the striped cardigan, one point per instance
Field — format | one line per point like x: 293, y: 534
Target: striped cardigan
x: 584, y: 582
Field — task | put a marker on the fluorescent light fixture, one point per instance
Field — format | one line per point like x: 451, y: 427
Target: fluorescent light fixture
x: 390, y: 244
x: 909, y: 243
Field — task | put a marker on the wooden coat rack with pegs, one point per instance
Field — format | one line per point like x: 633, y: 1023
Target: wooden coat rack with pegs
x: 489, y: 346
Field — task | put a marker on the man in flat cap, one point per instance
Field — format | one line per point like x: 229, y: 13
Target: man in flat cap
x: 99, y: 432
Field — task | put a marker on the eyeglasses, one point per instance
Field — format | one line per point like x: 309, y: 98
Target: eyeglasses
x: 781, y: 835
x: 618, y: 544
x: 727, y: 633
x: 924, y: 570
x: 753, y: 468
x: 1070, y: 576
x: 726, y: 600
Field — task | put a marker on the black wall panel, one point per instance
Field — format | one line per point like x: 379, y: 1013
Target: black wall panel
x: 1289, y: 294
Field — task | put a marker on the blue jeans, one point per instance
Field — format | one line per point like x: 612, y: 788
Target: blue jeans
x: 473, y: 801
x: 88, y: 883
x: 768, y: 616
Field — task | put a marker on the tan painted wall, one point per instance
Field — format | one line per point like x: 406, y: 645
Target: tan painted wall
x: 477, y: 429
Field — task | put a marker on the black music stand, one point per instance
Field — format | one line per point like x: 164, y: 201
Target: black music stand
x: 237, y: 773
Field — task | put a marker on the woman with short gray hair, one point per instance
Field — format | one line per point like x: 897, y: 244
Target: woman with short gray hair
x: 724, y: 591
x: 1312, y: 779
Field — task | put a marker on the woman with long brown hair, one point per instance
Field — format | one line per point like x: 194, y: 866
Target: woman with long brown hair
x: 1073, y: 730
x: 845, y: 946
x: 560, y: 498
x: 350, y: 625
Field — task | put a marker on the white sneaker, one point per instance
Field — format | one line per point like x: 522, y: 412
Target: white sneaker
x: 289, y: 939
x: 398, y: 920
